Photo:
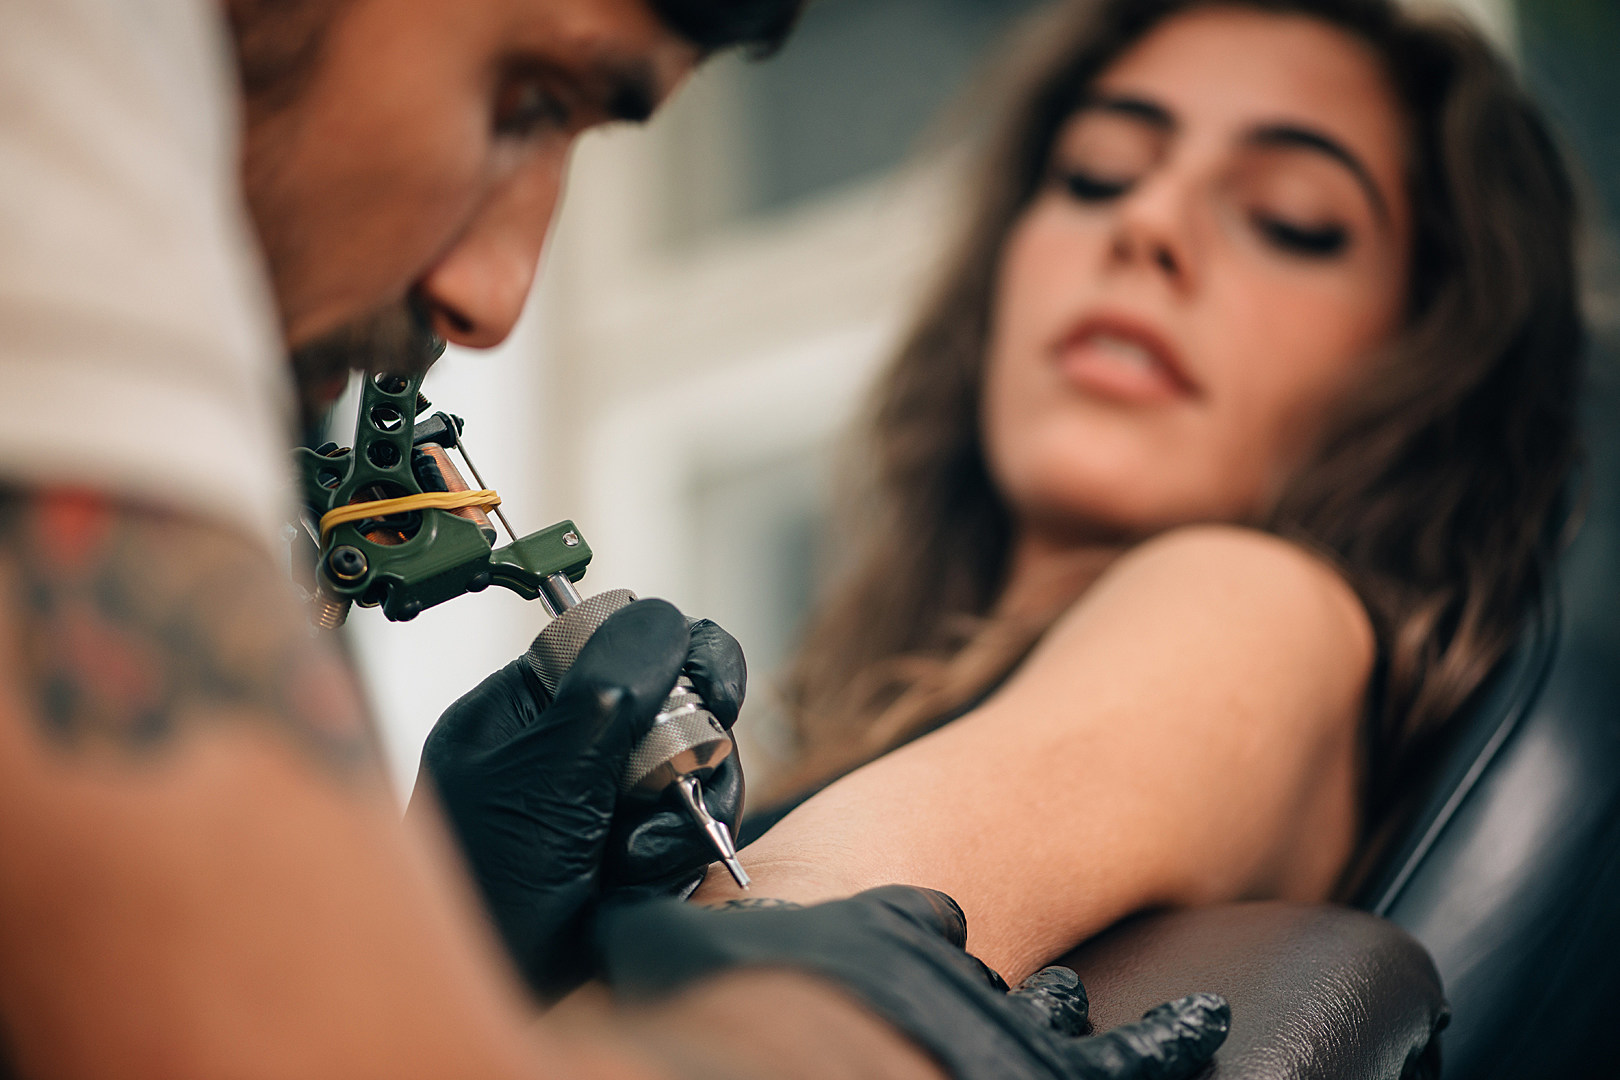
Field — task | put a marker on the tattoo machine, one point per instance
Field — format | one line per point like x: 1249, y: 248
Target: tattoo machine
x: 394, y: 525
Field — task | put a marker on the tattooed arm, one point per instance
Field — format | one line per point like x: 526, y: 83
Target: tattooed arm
x: 202, y: 873
x: 141, y: 627
x: 199, y: 859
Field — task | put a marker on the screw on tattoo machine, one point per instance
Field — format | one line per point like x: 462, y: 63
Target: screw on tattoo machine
x: 394, y: 525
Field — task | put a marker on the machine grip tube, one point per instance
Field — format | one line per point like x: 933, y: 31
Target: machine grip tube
x: 685, y: 740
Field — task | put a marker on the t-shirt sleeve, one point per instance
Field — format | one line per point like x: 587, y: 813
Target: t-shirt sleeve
x: 138, y: 354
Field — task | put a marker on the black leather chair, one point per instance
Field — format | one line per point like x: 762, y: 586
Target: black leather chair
x: 1507, y: 872
x: 1510, y: 871
x: 1316, y: 990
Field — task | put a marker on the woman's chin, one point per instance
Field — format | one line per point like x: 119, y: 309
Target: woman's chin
x: 1121, y: 512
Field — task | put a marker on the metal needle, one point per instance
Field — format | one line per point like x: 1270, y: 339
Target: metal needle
x: 461, y: 444
x: 716, y: 831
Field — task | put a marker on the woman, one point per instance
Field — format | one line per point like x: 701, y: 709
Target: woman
x: 1215, y: 480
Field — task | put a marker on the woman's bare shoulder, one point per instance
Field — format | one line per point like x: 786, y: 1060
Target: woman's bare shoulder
x: 1233, y: 571
x: 1229, y: 604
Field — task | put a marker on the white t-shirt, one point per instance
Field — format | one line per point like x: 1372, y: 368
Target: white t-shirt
x: 138, y: 354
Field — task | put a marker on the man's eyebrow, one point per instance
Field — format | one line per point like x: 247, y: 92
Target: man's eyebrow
x: 1137, y: 108
x: 1293, y: 136
x: 626, y: 88
x: 611, y: 86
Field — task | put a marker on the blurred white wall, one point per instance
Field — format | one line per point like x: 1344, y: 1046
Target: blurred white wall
x: 1495, y: 16
x: 706, y: 323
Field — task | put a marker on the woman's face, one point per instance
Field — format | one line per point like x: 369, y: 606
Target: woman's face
x: 1221, y: 244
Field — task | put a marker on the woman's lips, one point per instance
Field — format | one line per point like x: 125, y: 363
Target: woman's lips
x: 1123, y: 361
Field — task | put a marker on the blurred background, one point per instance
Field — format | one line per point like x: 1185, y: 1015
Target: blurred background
x: 720, y: 290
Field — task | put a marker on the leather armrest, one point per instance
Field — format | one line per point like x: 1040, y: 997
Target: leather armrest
x: 1316, y: 990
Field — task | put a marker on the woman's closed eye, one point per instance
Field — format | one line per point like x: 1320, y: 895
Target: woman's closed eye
x: 1105, y: 150
x: 1092, y: 187
x: 1323, y: 240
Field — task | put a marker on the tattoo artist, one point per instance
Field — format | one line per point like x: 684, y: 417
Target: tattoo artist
x: 202, y: 873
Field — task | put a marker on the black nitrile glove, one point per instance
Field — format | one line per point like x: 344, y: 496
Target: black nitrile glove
x: 654, y: 849
x: 530, y: 787
x: 899, y: 950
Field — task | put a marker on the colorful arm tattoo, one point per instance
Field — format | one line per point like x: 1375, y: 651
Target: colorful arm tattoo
x: 137, y: 625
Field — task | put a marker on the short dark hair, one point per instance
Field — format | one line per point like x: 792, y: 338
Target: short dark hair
x: 277, y: 44
x: 278, y: 41
x: 760, y: 26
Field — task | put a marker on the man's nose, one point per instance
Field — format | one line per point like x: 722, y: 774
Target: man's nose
x: 476, y: 292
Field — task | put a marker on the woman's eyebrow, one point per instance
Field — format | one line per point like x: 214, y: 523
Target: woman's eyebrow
x: 1137, y: 108
x: 1292, y: 136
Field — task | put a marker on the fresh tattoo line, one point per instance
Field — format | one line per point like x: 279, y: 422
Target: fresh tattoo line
x: 744, y: 903
x: 137, y: 625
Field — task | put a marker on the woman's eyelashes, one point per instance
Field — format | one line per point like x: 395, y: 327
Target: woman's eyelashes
x: 1314, y: 240
x: 1323, y: 241
x: 1089, y: 187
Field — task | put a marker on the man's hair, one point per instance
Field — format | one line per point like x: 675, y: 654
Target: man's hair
x: 757, y: 25
x: 278, y: 41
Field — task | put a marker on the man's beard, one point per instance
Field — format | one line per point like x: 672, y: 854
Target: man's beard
x: 396, y: 340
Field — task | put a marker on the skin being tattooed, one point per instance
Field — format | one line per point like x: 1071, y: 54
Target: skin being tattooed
x: 140, y: 624
x: 746, y: 903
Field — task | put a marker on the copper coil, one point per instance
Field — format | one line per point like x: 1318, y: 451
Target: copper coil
x: 386, y: 537
x: 388, y: 531
x: 453, y: 482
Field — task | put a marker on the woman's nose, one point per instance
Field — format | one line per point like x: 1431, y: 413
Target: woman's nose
x: 476, y: 292
x: 1153, y: 229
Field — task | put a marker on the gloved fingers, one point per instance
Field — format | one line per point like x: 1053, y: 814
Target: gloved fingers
x: 1055, y: 997
x: 928, y: 908
x: 658, y: 850
x: 624, y: 672
x: 650, y: 827
x: 939, y: 914
x: 725, y: 790
x: 1171, y: 1042
x: 717, y: 669
x: 487, y: 716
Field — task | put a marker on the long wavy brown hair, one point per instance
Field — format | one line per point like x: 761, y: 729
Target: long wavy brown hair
x: 1436, y: 490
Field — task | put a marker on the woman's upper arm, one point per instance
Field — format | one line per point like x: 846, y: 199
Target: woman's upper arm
x: 1186, y: 733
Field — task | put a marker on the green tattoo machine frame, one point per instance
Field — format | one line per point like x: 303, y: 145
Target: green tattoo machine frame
x: 409, y: 554
x: 394, y: 525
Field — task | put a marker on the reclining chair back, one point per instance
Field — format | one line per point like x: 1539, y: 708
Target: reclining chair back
x: 1509, y: 872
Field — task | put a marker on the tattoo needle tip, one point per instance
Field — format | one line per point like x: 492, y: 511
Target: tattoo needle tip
x: 691, y: 792
x: 738, y: 874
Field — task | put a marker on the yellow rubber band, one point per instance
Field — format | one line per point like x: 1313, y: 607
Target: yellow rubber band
x: 430, y: 500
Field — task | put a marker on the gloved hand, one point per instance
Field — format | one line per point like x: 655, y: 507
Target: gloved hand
x: 530, y: 786
x: 655, y: 850
x: 900, y: 951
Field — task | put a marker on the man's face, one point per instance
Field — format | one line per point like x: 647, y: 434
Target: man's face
x: 418, y: 155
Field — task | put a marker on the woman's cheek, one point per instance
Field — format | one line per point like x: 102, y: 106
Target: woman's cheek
x: 1290, y: 389
x: 1023, y: 295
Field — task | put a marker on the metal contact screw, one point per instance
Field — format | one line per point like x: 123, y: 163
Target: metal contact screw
x: 570, y: 539
x: 347, y: 563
